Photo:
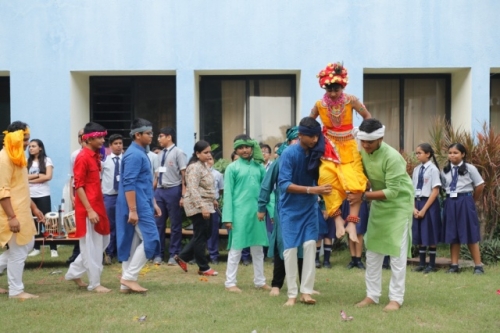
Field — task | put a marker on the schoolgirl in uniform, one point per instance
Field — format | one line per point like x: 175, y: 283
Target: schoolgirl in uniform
x: 464, y: 186
x: 426, y: 228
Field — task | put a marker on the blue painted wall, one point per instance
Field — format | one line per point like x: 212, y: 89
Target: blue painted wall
x: 42, y: 41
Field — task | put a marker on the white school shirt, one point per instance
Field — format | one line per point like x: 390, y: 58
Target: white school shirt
x: 39, y: 190
x: 465, y: 183
x: 432, y: 178
x: 108, y: 174
x: 218, y: 182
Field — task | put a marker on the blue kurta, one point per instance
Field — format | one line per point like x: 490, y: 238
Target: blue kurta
x: 135, y: 175
x: 298, y: 212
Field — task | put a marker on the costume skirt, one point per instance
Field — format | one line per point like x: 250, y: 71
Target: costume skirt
x: 461, y: 224
x: 427, y: 231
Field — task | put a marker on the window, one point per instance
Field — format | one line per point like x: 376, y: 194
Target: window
x: 4, y: 104
x: 262, y: 107
x: 495, y: 102
x: 406, y: 104
x: 116, y: 101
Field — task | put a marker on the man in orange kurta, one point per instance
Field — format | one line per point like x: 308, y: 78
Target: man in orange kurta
x: 341, y: 164
x: 16, y: 222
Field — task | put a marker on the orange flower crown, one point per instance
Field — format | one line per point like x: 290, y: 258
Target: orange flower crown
x: 333, y: 73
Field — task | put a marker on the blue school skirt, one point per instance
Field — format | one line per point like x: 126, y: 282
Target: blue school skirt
x: 427, y: 231
x: 461, y: 224
x: 364, y: 212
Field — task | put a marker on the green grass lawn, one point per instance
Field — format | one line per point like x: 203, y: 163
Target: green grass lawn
x: 182, y: 302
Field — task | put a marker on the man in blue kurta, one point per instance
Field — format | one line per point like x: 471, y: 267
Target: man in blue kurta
x: 269, y: 186
x: 389, y: 222
x: 136, y: 232
x: 298, y: 207
x: 242, y: 181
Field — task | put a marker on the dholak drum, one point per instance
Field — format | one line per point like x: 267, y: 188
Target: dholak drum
x: 69, y: 222
x: 51, y: 222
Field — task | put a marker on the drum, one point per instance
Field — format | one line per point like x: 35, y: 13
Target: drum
x: 51, y: 223
x: 69, y: 222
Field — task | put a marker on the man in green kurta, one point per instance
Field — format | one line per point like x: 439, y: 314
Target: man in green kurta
x: 389, y: 222
x: 242, y: 181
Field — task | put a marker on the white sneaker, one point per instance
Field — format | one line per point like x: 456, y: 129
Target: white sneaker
x: 54, y: 254
x: 34, y: 253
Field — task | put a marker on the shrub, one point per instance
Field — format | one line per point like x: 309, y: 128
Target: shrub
x: 490, y: 251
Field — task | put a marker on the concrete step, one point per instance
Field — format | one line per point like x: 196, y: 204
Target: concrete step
x: 442, y: 262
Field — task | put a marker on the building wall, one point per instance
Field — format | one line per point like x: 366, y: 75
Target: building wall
x: 50, y: 47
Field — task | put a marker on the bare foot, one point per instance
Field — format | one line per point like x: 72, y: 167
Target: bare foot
x: 133, y: 285
x: 351, y: 230
x: 339, y: 227
x: 392, y: 306
x: 234, y: 289
x: 101, y: 289
x: 306, y: 299
x: 24, y: 295
x: 275, y: 291
x: 315, y: 292
x: 80, y: 283
x: 364, y: 303
x: 290, y: 302
x: 3, y: 291
x: 264, y: 287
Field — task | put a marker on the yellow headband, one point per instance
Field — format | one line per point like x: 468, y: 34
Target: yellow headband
x: 13, y: 144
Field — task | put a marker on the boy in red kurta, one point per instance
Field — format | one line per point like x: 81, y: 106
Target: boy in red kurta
x: 92, y: 225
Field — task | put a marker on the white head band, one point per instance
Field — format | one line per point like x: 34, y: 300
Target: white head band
x: 375, y: 135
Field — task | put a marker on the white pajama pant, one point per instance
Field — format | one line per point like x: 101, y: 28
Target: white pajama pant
x: 308, y: 269
x: 89, y: 260
x: 132, y: 267
x: 233, y: 260
x: 13, y: 260
x: 373, y: 275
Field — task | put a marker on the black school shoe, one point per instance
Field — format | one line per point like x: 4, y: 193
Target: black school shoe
x: 351, y: 265
x: 419, y: 268
x: 326, y: 264
x: 454, y: 269
x: 360, y: 265
x: 478, y: 270
x: 318, y: 264
x: 429, y: 269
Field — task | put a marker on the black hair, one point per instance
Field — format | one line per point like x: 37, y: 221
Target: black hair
x: 309, y: 122
x: 233, y: 155
x: 265, y: 145
x: 114, y: 137
x: 198, y: 148
x: 93, y: 127
x: 241, y: 137
x: 462, y: 170
x: 169, y: 131
x: 334, y: 86
x: 140, y: 122
x: 278, y: 145
x: 370, y: 125
x: 42, y: 155
x: 155, y: 147
x: 426, y: 148
x: 16, y: 126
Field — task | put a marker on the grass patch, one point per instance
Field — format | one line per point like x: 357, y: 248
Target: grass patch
x: 181, y: 302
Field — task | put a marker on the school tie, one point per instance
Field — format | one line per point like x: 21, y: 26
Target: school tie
x: 162, y: 164
x: 116, y: 159
x: 421, y: 178
x: 454, y: 179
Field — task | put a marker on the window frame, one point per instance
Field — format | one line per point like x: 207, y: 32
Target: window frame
x: 247, y: 79
x: 401, y: 77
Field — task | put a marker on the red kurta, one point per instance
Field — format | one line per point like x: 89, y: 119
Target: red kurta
x: 86, y: 172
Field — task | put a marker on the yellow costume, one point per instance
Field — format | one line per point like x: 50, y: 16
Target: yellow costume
x: 345, y: 170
